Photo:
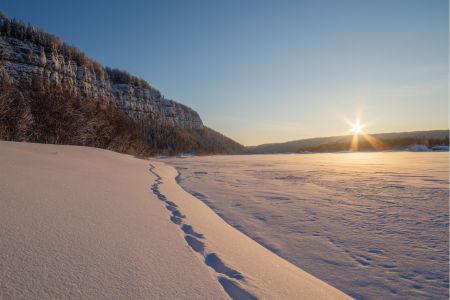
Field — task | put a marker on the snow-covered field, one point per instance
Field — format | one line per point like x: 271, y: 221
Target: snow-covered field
x: 374, y: 225
x: 86, y: 223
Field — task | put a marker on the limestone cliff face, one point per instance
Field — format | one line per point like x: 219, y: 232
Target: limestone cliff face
x: 23, y: 59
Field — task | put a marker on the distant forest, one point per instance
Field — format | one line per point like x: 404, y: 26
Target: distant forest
x: 382, y: 144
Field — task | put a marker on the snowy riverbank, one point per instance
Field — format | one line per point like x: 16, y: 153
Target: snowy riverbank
x: 87, y: 223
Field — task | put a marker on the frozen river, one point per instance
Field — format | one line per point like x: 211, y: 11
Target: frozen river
x: 374, y: 225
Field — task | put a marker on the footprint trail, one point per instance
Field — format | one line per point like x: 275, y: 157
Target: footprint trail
x: 227, y: 277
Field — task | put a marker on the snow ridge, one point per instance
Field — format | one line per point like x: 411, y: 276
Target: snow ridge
x: 227, y: 277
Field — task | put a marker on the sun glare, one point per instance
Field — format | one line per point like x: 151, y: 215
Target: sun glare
x: 356, y: 128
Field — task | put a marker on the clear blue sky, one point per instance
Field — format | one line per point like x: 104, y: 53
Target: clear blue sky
x: 268, y: 71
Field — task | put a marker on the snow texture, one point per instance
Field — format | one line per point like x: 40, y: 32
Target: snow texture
x: 82, y: 223
x: 374, y: 225
x: 85, y: 223
x: 244, y: 269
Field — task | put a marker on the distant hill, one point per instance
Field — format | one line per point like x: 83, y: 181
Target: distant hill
x: 387, y: 141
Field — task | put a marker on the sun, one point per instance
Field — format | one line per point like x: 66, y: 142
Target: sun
x: 356, y: 128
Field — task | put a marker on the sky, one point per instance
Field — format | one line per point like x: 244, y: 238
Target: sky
x: 272, y: 71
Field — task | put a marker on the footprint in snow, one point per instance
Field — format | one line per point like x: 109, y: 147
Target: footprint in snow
x: 234, y: 290
x: 195, y: 244
x: 175, y: 220
x: 216, y: 263
x: 178, y: 214
x: 189, y: 230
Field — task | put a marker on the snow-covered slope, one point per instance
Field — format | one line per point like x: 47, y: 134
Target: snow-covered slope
x: 82, y: 223
x: 85, y: 223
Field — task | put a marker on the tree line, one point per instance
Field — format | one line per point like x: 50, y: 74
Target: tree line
x: 397, y: 143
x: 46, y: 113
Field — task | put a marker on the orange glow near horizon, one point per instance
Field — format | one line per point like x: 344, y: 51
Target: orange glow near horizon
x: 357, y: 129
x: 354, y: 144
x: 376, y: 144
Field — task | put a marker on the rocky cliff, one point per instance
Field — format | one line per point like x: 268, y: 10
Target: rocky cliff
x: 51, y: 92
x: 23, y: 59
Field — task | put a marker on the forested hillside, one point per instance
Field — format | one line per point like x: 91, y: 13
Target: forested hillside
x: 51, y: 92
